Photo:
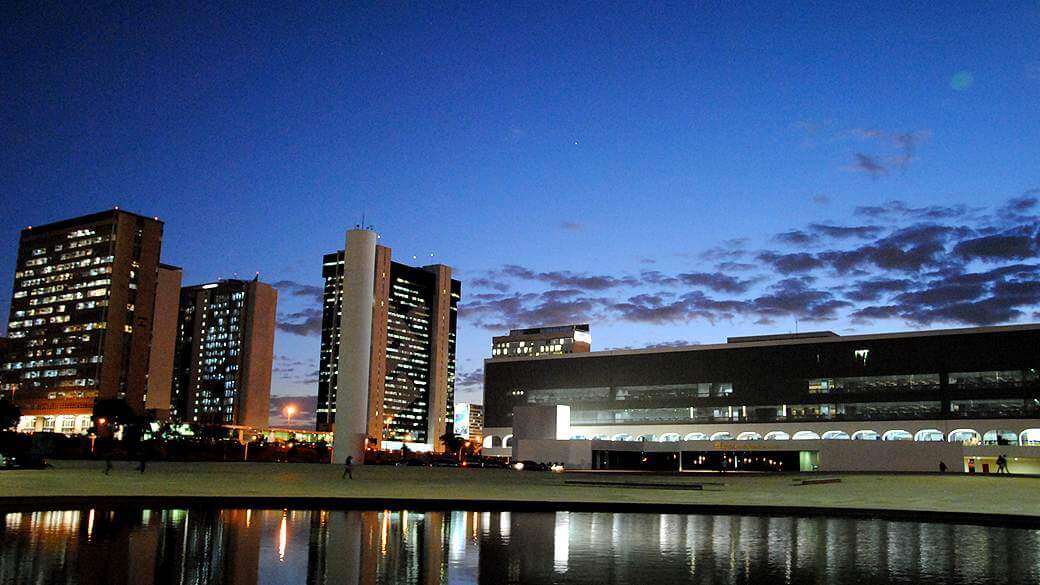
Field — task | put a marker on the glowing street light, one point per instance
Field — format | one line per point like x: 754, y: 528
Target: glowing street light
x: 289, y: 412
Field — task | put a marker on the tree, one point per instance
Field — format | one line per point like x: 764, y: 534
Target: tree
x: 453, y: 442
x: 113, y: 411
x: 9, y: 414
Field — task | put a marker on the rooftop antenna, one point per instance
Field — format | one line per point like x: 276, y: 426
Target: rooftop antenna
x: 796, y: 324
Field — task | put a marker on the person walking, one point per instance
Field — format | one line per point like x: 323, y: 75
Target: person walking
x: 1002, y: 466
x: 108, y: 462
x: 942, y: 467
x: 348, y: 467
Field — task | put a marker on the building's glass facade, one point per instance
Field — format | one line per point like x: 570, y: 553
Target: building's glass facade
x: 411, y: 350
x: 959, y: 374
x: 540, y: 341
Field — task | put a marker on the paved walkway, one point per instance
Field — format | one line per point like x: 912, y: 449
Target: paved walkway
x: 950, y: 496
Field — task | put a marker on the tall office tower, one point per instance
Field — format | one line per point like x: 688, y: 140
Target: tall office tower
x: 164, y: 340
x: 225, y: 349
x: 543, y: 341
x: 81, y: 317
x: 410, y: 380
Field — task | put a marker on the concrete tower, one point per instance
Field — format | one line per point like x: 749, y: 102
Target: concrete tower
x: 355, y: 346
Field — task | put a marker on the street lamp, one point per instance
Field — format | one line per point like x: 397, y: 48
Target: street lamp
x: 289, y: 412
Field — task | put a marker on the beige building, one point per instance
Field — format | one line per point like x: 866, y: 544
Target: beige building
x: 224, y: 353
x: 80, y: 324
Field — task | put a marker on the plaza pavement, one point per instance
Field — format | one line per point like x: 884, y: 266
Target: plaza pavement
x: 954, y: 497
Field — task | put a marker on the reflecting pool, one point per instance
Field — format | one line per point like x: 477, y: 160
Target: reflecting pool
x: 249, y: 547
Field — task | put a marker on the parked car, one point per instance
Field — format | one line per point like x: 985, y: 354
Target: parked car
x: 23, y: 462
x: 528, y: 465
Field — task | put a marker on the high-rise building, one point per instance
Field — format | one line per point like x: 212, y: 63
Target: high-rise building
x: 409, y: 386
x: 81, y: 317
x: 469, y: 421
x: 224, y: 353
x: 543, y: 341
x: 164, y: 340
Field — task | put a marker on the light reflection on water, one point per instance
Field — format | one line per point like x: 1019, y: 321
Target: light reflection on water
x: 253, y: 547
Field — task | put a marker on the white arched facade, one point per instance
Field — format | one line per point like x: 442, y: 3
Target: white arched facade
x: 865, y: 435
x: 695, y: 437
x: 835, y: 435
x: 749, y: 436
x: 805, y: 436
x: 670, y: 438
x: 928, y: 435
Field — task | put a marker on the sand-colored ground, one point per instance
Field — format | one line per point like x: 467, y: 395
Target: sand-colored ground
x: 305, y: 485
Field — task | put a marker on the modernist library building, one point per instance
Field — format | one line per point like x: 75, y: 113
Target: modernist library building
x: 969, y: 386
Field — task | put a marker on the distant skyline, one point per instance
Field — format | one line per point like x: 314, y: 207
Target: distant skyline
x: 668, y: 173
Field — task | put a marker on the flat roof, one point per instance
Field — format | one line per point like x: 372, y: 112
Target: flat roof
x: 776, y: 343
x: 90, y: 217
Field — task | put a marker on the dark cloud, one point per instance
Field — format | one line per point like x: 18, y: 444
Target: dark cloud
x: 796, y: 238
x: 735, y: 266
x: 716, y: 281
x: 298, y: 289
x: 821, y: 199
x: 571, y: 226
x: 488, y: 283
x: 567, y: 278
x: 305, y: 323
x: 867, y: 164
x: 791, y: 263
x: 874, y: 289
x: 900, y: 210
x: 473, y: 379
x: 532, y: 310
x: 673, y: 343
x: 997, y: 248
x: 840, y: 232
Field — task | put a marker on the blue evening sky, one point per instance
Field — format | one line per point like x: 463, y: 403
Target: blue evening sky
x: 671, y: 173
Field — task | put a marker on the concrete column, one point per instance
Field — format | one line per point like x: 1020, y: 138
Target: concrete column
x: 355, y: 346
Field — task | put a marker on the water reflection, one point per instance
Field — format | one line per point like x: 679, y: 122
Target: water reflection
x: 252, y: 547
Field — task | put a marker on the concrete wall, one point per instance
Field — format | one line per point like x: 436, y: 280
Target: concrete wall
x: 164, y: 340
x: 573, y: 454
x: 541, y: 422
x: 886, y: 455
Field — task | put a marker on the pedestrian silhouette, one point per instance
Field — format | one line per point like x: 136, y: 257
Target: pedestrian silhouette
x: 1002, y: 466
x: 108, y: 463
x: 348, y: 467
x: 942, y: 467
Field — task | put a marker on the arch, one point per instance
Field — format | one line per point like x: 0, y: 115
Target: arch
x: 778, y: 436
x: 647, y: 437
x: 669, y: 438
x: 488, y: 442
x: 722, y: 436
x: 836, y: 435
x: 805, y: 436
x: 929, y: 435
x: 507, y: 441
x: 579, y: 438
x: 965, y: 436
x: 999, y: 437
x: 749, y: 436
x: 865, y: 435
x: 897, y: 435
x: 695, y: 437
x: 621, y: 437
x: 601, y: 438
x: 1029, y: 437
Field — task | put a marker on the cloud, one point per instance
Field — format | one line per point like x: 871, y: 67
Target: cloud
x: 997, y: 248
x: 298, y: 289
x: 304, y: 323
x: 841, y: 232
x: 896, y: 209
x: 864, y: 163
x: 567, y: 279
x: 821, y: 199
x: 472, y: 380
x: 716, y: 281
x: 571, y: 226
x: 791, y: 263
